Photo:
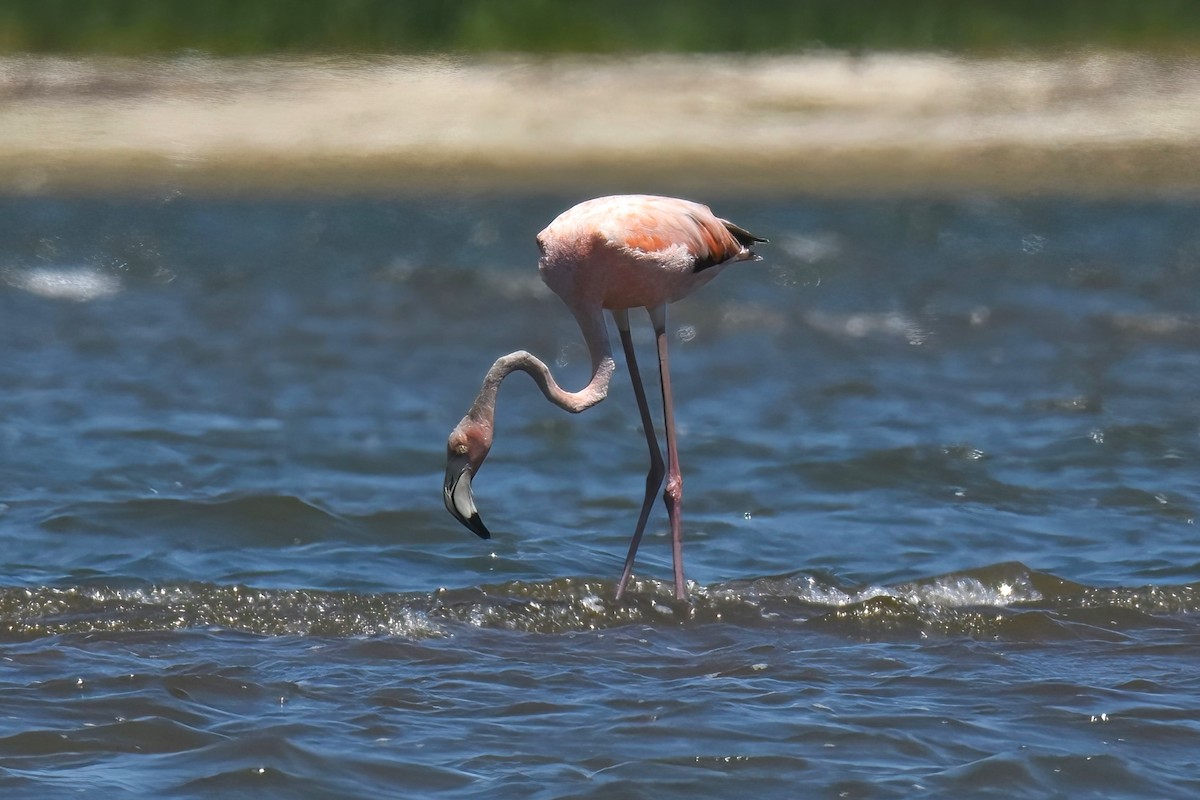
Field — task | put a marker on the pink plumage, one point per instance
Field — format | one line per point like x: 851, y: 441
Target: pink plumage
x: 637, y: 251
x: 611, y: 253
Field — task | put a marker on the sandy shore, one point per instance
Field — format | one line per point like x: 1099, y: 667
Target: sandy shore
x: 1094, y: 123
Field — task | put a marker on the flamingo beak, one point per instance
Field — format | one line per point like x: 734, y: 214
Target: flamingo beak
x: 459, y: 500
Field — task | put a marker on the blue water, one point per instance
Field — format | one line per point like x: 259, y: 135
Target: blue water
x: 940, y: 459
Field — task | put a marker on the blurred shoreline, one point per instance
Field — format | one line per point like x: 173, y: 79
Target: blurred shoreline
x: 1105, y: 124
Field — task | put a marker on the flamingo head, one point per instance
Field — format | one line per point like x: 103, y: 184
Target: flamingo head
x: 466, y: 449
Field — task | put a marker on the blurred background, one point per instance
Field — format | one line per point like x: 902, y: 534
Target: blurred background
x: 360, y: 96
x: 227, y: 27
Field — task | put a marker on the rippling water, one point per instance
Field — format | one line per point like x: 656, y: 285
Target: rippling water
x: 941, y: 461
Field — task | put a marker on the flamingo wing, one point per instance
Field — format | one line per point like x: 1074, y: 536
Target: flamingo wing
x: 655, y: 224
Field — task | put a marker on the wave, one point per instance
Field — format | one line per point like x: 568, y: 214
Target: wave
x: 237, y: 519
x: 1006, y: 600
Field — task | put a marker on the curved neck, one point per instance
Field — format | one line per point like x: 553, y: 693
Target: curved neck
x: 595, y: 334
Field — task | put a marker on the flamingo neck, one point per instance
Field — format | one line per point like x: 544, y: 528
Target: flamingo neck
x: 594, y: 334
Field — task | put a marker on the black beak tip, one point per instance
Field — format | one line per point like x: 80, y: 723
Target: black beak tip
x: 478, y: 528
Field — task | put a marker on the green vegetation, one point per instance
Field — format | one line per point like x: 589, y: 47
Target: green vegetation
x: 246, y: 27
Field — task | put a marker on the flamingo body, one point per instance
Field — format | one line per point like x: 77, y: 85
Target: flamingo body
x: 611, y: 253
x: 636, y: 251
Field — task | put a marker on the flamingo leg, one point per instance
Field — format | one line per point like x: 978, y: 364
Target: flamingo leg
x: 654, y: 477
x: 673, y: 496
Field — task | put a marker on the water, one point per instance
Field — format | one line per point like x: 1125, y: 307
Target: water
x: 940, y: 507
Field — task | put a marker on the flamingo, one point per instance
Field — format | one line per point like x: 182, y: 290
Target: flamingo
x: 611, y: 253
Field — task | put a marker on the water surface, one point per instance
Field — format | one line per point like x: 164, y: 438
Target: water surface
x: 940, y: 459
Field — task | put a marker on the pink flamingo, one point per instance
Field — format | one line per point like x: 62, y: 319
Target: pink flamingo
x: 613, y: 253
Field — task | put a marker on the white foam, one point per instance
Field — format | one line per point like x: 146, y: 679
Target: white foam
x: 945, y: 592
x: 65, y: 283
